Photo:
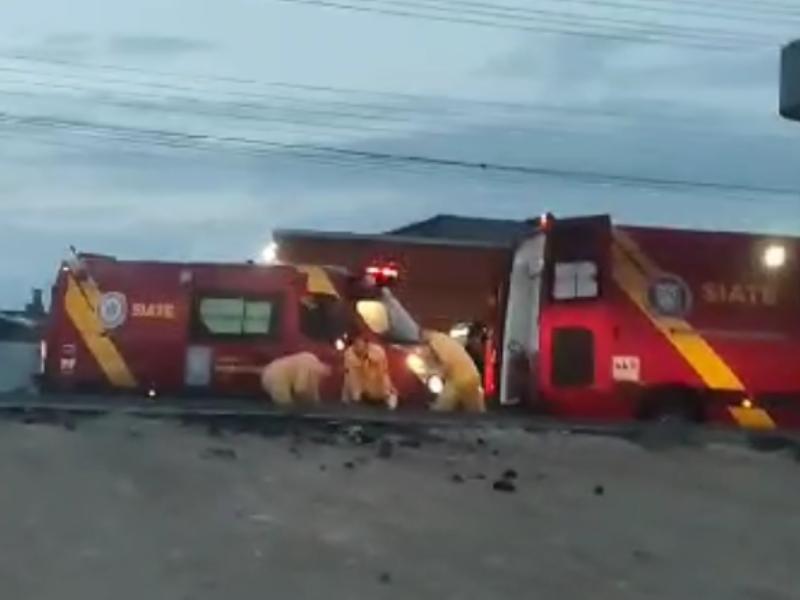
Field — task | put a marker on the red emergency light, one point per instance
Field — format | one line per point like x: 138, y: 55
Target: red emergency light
x: 383, y: 274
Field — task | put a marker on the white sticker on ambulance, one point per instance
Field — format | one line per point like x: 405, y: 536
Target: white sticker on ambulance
x: 626, y: 368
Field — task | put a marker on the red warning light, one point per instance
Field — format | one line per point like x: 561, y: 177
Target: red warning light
x: 383, y: 275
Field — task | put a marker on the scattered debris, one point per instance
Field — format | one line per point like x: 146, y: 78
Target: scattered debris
x: 480, y: 441
x: 479, y: 476
x: 541, y: 476
x: 358, y: 435
x: 599, y: 490
x: 221, y: 453
x: 350, y: 465
x: 410, y: 442
x: 510, y: 474
x: 294, y: 450
x: 495, y: 452
x: 323, y: 468
x: 504, y: 485
x: 385, y: 448
x: 456, y: 478
x: 385, y: 578
x: 214, y: 429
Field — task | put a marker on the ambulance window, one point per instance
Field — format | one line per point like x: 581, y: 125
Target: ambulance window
x: 573, y: 357
x: 574, y: 280
x: 257, y: 318
x: 235, y: 317
x: 322, y: 317
x: 222, y: 316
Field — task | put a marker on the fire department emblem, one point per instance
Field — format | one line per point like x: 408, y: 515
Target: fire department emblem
x: 112, y: 309
x: 669, y: 296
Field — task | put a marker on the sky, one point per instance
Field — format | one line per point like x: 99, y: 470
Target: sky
x: 189, y: 130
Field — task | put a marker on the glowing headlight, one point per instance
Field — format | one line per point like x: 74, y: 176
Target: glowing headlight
x: 416, y: 363
x: 775, y: 256
x: 435, y: 384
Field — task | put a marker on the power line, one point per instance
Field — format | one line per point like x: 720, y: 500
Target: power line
x: 401, y: 100
x: 538, y: 15
x: 316, y: 119
x: 706, y: 10
x: 599, y: 34
x: 390, y: 158
x: 343, y: 114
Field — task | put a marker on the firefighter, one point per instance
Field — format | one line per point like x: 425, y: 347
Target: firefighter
x: 294, y: 378
x: 366, y: 373
x: 462, y: 381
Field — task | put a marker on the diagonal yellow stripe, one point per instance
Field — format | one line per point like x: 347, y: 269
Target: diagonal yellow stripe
x: 81, y: 304
x: 319, y: 282
x: 634, y: 271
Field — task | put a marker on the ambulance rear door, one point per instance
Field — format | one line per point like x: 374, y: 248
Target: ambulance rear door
x: 521, y: 329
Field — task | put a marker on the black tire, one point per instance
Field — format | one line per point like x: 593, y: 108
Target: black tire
x: 672, y: 404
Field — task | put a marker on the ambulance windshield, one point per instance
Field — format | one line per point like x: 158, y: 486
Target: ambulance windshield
x: 386, y: 317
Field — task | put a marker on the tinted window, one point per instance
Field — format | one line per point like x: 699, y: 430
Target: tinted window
x: 573, y: 357
x: 322, y: 317
x: 238, y: 317
x: 572, y: 280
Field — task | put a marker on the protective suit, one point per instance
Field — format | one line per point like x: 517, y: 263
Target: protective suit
x: 462, y: 381
x: 294, y: 378
x: 366, y: 375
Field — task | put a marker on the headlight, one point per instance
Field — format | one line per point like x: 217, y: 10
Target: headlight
x: 416, y: 364
x: 435, y: 384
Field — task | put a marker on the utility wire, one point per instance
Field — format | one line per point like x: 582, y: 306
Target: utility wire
x: 538, y: 16
x: 625, y: 35
x: 401, y: 102
x: 398, y: 158
x: 325, y: 122
x: 705, y: 10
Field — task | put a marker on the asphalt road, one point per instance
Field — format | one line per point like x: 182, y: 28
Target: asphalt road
x: 128, y: 509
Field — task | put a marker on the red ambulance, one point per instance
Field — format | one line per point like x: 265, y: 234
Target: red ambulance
x: 615, y: 323
x: 192, y: 328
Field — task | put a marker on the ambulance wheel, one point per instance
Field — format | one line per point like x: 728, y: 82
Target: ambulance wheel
x: 672, y: 404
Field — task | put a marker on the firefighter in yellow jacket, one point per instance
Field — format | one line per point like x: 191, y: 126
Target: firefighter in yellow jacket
x: 366, y: 374
x: 294, y: 378
x: 462, y: 381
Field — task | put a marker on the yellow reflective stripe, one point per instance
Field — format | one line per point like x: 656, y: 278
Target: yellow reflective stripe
x: 752, y: 418
x: 319, y: 282
x: 81, y: 304
x: 633, y: 271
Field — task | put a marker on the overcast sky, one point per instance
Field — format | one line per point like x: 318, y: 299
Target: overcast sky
x: 181, y: 129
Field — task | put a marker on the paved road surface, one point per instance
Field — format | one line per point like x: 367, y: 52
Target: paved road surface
x: 132, y: 509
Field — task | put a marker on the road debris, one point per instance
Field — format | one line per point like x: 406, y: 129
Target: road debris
x: 504, y: 485
x: 385, y: 449
x: 220, y: 453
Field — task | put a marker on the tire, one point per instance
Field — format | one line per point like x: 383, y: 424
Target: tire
x: 672, y: 405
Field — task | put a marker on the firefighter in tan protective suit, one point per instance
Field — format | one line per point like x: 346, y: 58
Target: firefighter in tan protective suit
x: 366, y: 374
x: 462, y: 381
x: 294, y: 378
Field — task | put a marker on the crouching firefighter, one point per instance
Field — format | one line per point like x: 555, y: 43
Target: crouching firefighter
x: 294, y: 379
x: 462, y: 381
x: 366, y: 374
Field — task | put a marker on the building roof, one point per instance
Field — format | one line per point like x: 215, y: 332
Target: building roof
x: 430, y: 240
x: 453, y: 227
